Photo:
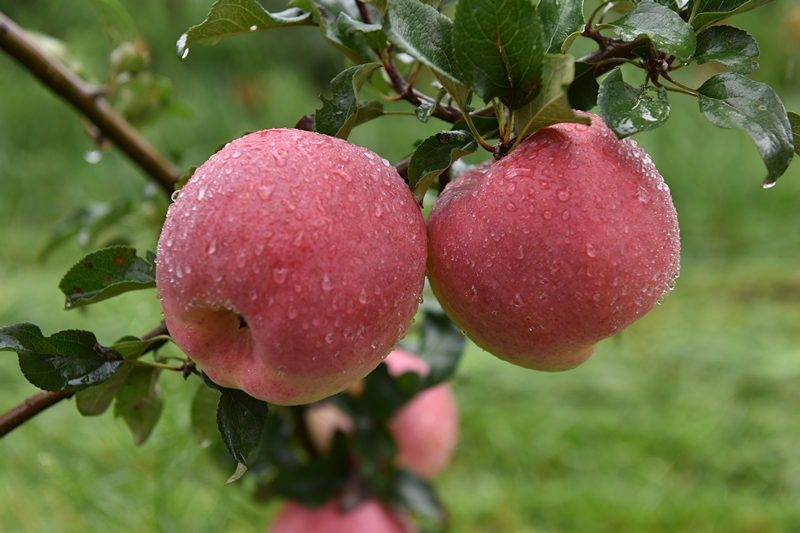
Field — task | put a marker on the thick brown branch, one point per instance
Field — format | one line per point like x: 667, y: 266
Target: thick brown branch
x: 39, y: 402
x: 87, y: 100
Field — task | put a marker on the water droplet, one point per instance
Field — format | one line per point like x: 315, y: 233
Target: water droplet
x: 547, y: 215
x: 291, y: 312
x: 253, y: 27
x: 236, y: 154
x: 327, y: 284
x: 511, y: 206
x: 362, y: 296
x: 563, y: 195
x: 279, y: 275
x: 201, y: 193
x: 518, y: 301
x: 520, y: 252
x: 175, y: 194
x: 565, y: 215
x: 265, y: 190
x: 329, y: 337
x: 183, y: 50
x: 93, y: 156
x: 762, y: 107
x: 590, y: 251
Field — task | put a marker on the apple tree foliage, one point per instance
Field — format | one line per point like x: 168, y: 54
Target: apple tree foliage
x: 491, y: 72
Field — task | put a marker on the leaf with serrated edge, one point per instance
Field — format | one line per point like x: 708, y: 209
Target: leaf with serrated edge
x: 710, y: 11
x: 561, y: 19
x: 730, y: 100
x: 627, y: 109
x: 339, y: 114
x: 425, y: 34
x: 794, y: 119
x: 734, y: 48
x: 66, y: 361
x: 104, y: 274
x: 235, y: 17
x: 434, y: 155
x: 133, y: 347
x: 667, y: 31
x: 499, y: 49
x: 550, y: 106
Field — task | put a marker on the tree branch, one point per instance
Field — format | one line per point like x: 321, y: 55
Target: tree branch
x: 39, y: 402
x: 87, y: 100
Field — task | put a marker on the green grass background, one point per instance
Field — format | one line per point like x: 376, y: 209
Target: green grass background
x: 687, y: 421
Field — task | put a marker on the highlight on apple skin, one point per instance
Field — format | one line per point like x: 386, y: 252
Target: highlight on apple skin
x: 290, y: 264
x: 567, y: 240
x: 425, y: 429
x: 369, y: 516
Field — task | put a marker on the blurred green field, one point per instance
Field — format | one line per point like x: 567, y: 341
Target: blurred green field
x: 687, y: 421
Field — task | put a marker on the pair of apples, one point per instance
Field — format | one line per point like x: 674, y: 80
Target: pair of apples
x: 292, y: 262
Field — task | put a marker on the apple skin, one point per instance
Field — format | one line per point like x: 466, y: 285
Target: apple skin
x: 425, y: 430
x: 565, y: 241
x: 369, y: 516
x: 316, y: 243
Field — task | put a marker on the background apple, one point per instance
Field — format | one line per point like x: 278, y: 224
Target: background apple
x: 369, y: 516
x: 317, y: 244
x: 425, y: 429
x: 565, y: 241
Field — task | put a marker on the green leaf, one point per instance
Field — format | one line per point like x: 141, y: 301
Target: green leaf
x: 560, y: 19
x: 499, y: 49
x: 204, y: 415
x: 67, y: 361
x: 340, y: 24
x: 418, y: 495
x: 117, y: 23
x: 582, y: 92
x: 426, y: 35
x: 710, y: 11
x: 668, y: 32
x: 339, y: 113
x: 732, y: 101
x: 234, y: 17
x: 794, y: 119
x: 627, y: 110
x: 104, y: 274
x: 441, y: 347
x: 242, y: 421
x: 139, y: 402
x: 551, y: 105
x: 734, y: 48
x: 96, y: 399
x: 435, y: 155
x: 133, y: 347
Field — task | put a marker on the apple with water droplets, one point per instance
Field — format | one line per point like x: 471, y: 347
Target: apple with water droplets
x: 290, y: 264
x: 565, y: 241
x: 368, y: 516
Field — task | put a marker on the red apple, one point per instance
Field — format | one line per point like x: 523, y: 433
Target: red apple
x: 369, y: 516
x: 290, y: 264
x: 567, y: 240
x: 425, y: 429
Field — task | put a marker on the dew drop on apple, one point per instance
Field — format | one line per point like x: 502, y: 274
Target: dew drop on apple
x: 291, y: 312
x: 563, y: 195
x: 279, y: 275
x: 590, y: 251
x: 327, y: 284
x: 329, y: 337
x: 547, y: 215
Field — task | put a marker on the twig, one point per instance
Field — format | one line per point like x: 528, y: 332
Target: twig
x: 39, y: 402
x: 88, y: 100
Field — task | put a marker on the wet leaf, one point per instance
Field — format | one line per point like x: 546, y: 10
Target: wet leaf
x: 667, y: 31
x: 730, y: 100
x: 96, y: 399
x: 710, y: 11
x: 340, y: 113
x: 734, y: 48
x: 560, y: 19
x: 106, y: 273
x: 242, y: 421
x: 627, y: 109
x: 435, y: 155
x: 794, y: 119
x: 235, y: 17
x: 66, y: 361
